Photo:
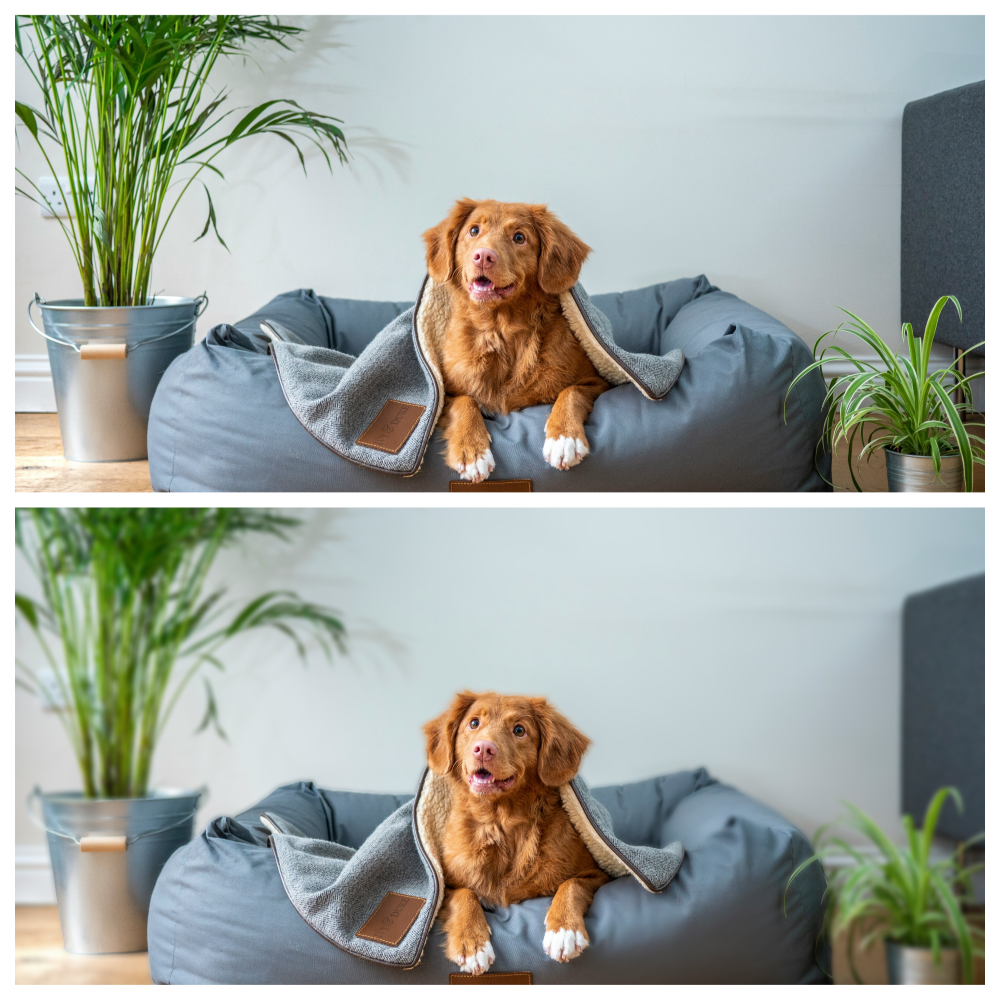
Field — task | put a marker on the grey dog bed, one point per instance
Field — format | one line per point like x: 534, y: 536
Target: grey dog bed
x: 220, y: 420
x: 219, y: 912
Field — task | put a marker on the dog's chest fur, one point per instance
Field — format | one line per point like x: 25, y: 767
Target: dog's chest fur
x: 509, y: 359
x: 509, y: 852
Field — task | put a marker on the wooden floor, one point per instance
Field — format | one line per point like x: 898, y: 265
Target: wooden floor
x: 39, y: 956
x: 40, y: 467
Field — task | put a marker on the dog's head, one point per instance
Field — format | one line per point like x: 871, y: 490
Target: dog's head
x: 496, y: 251
x: 494, y: 744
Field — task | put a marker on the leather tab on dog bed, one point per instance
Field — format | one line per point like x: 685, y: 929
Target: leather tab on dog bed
x: 490, y: 486
x: 391, y: 429
x: 392, y: 918
x: 490, y: 979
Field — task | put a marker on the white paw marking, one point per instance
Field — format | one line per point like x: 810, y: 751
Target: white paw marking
x: 563, y: 944
x: 564, y: 452
x: 478, y: 963
x: 476, y: 472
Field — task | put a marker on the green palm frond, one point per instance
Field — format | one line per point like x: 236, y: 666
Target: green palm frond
x: 125, y: 102
x: 123, y: 594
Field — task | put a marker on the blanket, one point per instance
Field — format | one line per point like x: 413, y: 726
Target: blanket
x: 379, y: 901
x: 380, y: 409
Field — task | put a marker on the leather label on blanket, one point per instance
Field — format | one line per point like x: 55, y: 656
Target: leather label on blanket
x: 490, y: 486
x: 391, y: 429
x: 490, y: 979
x: 393, y: 918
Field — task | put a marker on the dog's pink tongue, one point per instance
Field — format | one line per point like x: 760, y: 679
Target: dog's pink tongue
x: 482, y: 777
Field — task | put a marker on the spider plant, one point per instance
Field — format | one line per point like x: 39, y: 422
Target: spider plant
x: 123, y: 597
x: 125, y: 102
x: 909, y: 898
x: 905, y: 408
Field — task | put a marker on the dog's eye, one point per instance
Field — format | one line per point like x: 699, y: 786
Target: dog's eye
x: 474, y: 231
x: 519, y: 238
x: 474, y: 724
x: 519, y: 730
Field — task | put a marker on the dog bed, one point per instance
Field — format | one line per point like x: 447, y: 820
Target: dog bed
x: 220, y: 419
x: 219, y: 912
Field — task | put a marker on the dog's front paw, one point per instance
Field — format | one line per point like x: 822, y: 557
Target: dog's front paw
x: 477, y: 468
x: 563, y: 944
x: 471, y: 957
x: 565, y: 452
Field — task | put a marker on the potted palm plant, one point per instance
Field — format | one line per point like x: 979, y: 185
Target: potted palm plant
x: 907, y: 409
x: 123, y: 598
x: 908, y: 900
x: 125, y: 106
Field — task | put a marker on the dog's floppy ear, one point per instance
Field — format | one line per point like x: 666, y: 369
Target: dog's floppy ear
x: 561, y: 255
x: 441, y: 732
x: 562, y: 746
x: 441, y: 239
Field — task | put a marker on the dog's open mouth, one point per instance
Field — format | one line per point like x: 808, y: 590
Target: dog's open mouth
x: 484, y: 290
x: 483, y: 782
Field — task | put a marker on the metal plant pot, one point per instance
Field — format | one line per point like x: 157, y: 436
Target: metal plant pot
x: 916, y: 967
x: 106, y: 856
x: 915, y: 473
x: 106, y: 362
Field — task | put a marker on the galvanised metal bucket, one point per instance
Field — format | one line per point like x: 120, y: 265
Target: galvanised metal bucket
x: 915, y: 966
x: 106, y: 362
x: 915, y: 473
x: 106, y: 856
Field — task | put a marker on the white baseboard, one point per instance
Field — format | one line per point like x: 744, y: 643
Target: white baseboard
x: 33, y: 391
x: 33, y: 875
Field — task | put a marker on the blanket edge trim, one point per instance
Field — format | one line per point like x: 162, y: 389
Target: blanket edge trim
x: 584, y: 824
x: 592, y: 344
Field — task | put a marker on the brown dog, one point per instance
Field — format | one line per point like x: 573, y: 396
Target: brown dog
x: 508, y: 837
x: 508, y: 344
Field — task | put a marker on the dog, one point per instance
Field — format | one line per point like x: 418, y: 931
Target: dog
x: 508, y: 345
x: 508, y: 837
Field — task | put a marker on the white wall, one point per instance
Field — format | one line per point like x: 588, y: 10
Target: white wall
x: 762, y: 644
x: 762, y: 151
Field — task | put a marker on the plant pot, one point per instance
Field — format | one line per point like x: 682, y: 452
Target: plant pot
x: 106, y: 362
x: 915, y: 473
x: 106, y: 856
x: 915, y: 966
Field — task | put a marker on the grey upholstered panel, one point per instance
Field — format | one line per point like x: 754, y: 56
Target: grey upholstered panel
x: 219, y: 913
x: 219, y: 420
x: 943, y: 224
x: 944, y: 702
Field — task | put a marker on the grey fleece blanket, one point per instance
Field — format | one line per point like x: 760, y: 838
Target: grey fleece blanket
x: 339, y: 891
x: 352, y: 405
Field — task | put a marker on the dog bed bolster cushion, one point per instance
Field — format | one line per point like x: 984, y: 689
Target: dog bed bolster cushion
x: 220, y: 914
x: 220, y: 421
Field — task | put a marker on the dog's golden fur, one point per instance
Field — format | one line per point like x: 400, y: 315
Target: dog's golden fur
x: 506, y: 844
x: 509, y: 346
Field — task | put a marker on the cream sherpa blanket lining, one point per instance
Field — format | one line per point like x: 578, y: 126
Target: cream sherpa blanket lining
x: 337, y: 889
x: 337, y: 397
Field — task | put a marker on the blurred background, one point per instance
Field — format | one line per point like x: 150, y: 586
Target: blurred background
x: 762, y: 151
x: 764, y: 644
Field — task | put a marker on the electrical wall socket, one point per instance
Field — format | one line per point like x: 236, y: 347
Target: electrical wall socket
x: 51, y: 693
x: 50, y: 191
